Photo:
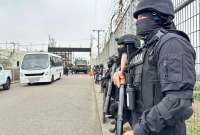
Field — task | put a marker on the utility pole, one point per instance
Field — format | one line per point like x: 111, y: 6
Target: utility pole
x: 98, y: 40
x: 14, y: 46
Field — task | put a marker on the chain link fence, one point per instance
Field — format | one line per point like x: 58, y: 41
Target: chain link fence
x: 187, y: 19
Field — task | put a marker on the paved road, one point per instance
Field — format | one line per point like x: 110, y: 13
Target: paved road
x: 66, y: 107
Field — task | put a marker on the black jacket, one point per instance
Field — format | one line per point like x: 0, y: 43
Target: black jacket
x: 165, y: 76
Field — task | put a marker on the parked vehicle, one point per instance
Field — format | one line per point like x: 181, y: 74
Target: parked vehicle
x: 81, y: 66
x: 41, y: 67
x: 5, y: 78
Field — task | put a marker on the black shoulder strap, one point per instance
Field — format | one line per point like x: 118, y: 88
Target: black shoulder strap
x: 156, y: 38
x: 163, y: 40
x: 167, y: 36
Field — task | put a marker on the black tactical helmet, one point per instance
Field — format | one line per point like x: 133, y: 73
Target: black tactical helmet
x: 101, y: 65
x: 128, y: 39
x: 110, y: 62
x: 164, y: 7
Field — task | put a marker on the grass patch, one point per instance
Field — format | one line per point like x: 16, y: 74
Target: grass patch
x: 197, y: 86
x: 197, y: 95
x: 193, y: 126
x: 197, y: 91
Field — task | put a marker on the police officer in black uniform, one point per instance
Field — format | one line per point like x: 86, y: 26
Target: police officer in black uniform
x: 164, y: 72
x: 106, y: 76
x: 126, y: 46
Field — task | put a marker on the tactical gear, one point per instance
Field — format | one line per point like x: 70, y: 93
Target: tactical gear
x: 162, y: 80
x: 145, y: 26
x: 128, y: 39
x: 108, y: 95
x: 131, y: 44
x: 130, y: 90
x: 164, y: 7
x: 109, y: 64
x: 101, y: 65
x: 121, y: 50
x: 115, y: 59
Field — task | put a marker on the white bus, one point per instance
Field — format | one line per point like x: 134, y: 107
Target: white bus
x: 40, y: 67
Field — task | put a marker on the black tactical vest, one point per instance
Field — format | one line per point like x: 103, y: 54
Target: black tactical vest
x: 146, y: 80
x: 145, y: 72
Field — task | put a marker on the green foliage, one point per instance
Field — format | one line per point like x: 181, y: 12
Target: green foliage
x: 197, y: 86
x: 197, y: 91
x: 193, y: 126
x: 197, y: 95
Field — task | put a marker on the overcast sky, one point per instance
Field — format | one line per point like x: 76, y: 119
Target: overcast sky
x: 65, y: 20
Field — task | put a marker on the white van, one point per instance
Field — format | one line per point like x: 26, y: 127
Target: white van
x: 40, y: 67
x: 5, y: 78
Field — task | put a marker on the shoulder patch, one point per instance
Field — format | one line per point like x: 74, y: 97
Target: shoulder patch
x: 138, y: 59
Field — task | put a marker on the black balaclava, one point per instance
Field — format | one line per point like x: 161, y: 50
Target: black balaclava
x: 121, y: 50
x: 129, y: 49
x: 147, y: 25
x: 152, y: 22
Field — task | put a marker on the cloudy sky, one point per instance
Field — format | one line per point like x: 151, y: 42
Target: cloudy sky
x: 66, y: 20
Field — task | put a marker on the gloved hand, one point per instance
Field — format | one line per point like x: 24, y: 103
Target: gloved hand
x: 118, y: 78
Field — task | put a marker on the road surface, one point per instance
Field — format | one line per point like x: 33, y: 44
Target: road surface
x: 66, y: 107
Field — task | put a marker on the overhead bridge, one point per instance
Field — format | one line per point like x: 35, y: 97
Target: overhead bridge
x: 67, y: 49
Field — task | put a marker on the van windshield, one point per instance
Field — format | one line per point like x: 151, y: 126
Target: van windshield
x: 35, y: 62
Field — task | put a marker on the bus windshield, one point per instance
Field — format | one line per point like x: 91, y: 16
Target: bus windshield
x: 35, y: 61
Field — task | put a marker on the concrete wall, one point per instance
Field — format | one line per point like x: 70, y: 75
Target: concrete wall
x: 10, y: 59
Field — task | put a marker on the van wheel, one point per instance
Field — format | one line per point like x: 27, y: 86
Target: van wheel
x: 7, y: 85
x: 52, y: 79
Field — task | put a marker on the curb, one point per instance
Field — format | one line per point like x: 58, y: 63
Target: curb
x: 99, y: 124
x: 99, y: 101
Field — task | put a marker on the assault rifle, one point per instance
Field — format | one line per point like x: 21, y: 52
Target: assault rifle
x: 108, y: 94
x: 130, y: 95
